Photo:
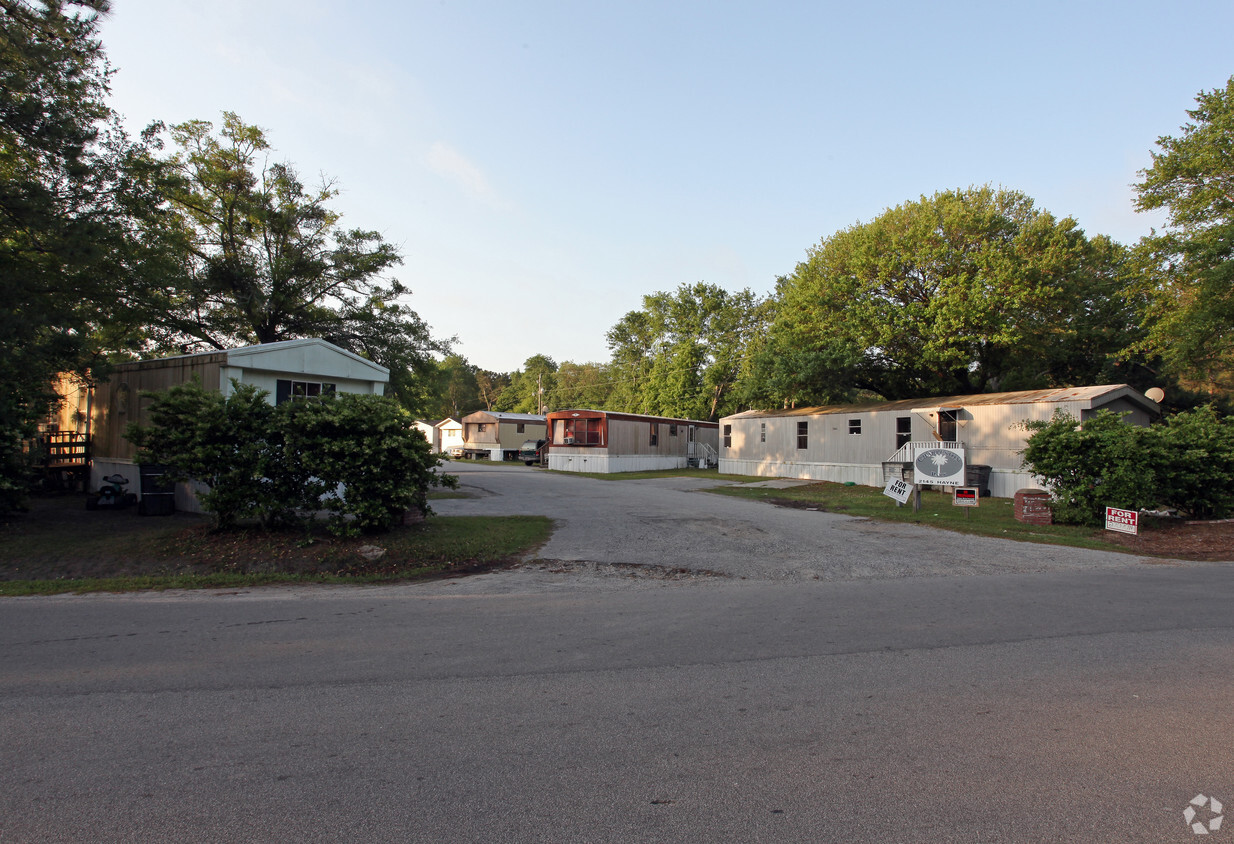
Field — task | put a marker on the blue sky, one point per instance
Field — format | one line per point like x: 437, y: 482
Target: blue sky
x: 543, y: 165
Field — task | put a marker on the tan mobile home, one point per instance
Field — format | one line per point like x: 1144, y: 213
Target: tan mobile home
x: 497, y: 436
x: 600, y: 441
x: 854, y: 442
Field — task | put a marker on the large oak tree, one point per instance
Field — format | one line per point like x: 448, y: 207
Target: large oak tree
x: 255, y: 256
x: 1191, y: 318
x: 965, y: 291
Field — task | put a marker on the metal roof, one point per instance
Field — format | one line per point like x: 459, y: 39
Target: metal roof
x: 1087, y: 396
x: 503, y: 417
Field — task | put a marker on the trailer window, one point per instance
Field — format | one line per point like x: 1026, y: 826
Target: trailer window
x: 854, y: 427
x: 287, y: 389
x: 728, y: 436
x: 582, y: 432
x: 904, y: 431
x: 655, y: 434
x: 803, y: 435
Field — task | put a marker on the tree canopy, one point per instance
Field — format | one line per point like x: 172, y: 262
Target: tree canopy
x: 71, y: 189
x: 965, y: 291
x: 1191, y: 282
x: 681, y: 354
x: 259, y: 257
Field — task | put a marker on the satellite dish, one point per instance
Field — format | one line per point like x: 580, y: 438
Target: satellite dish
x: 1156, y: 394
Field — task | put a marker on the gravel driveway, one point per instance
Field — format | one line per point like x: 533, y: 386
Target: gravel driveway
x: 672, y: 523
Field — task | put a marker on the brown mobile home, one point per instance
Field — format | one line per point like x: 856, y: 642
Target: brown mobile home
x: 600, y: 441
x: 853, y: 442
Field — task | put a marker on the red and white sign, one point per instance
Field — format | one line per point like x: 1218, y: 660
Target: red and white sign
x: 966, y: 496
x: 1123, y: 521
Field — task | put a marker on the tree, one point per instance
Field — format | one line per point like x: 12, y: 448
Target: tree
x: 71, y: 187
x: 963, y: 292
x: 456, y: 392
x: 531, y: 387
x: 681, y: 355
x: 260, y: 257
x: 1191, y: 316
x: 491, y: 385
x: 585, y: 385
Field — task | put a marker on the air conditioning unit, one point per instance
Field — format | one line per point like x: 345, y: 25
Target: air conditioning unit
x: 568, y: 441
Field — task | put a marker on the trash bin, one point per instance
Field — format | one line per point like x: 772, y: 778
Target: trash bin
x: 977, y: 475
x: 158, y: 497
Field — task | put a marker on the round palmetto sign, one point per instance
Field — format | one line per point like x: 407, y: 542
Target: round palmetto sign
x: 939, y: 466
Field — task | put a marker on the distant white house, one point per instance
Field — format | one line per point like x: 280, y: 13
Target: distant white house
x: 864, y: 443
x: 449, y: 434
x: 442, y: 434
x: 286, y: 370
x: 430, y: 432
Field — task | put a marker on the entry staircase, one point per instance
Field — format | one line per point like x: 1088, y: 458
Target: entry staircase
x: 704, y: 457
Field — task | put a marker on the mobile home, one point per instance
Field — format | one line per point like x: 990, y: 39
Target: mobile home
x: 863, y: 443
x: 601, y: 441
x: 497, y: 436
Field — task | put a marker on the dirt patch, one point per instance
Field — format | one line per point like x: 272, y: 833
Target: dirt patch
x: 624, y: 570
x: 1202, y: 541
x: 1210, y: 541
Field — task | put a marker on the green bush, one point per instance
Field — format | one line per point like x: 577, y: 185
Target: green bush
x: 359, y: 460
x: 222, y: 442
x: 1198, y: 476
x: 1185, y: 463
x: 355, y: 457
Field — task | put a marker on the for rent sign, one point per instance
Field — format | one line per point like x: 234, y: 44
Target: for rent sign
x: 898, y: 489
x: 1123, y: 521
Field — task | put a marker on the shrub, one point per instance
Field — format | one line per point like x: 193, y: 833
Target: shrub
x: 359, y: 458
x: 1185, y: 463
x: 356, y: 457
x: 1198, y: 476
x: 223, y: 442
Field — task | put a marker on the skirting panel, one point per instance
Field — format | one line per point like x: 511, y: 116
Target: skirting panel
x: 1003, y: 482
x: 608, y: 464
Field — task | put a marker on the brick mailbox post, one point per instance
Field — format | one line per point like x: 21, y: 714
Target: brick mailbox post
x: 1032, y: 506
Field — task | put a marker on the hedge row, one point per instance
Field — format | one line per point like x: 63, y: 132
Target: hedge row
x: 356, y: 458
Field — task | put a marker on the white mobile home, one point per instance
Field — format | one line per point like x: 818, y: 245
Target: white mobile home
x: 600, y: 441
x: 430, y: 432
x: 287, y: 369
x: 853, y: 442
x: 497, y: 436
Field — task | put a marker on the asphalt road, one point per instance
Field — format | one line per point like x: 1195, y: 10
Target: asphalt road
x: 1086, y: 701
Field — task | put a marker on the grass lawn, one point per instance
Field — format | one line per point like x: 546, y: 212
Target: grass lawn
x: 994, y: 516
x: 59, y: 547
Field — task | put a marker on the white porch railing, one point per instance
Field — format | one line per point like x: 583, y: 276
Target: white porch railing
x: 905, y: 452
